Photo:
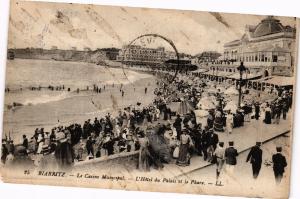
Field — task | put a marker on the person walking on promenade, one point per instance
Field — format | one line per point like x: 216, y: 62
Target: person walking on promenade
x: 89, y: 146
x: 185, y: 143
x: 205, y: 143
x: 278, y: 109
x: 257, y: 110
x: 229, y: 122
x: 213, y: 140
x: 230, y: 157
x: 255, y: 157
x: 279, y: 163
x: 285, y: 109
x: 25, y: 142
x: 177, y: 126
x: 268, y: 115
x: 146, y: 89
x: 219, y: 154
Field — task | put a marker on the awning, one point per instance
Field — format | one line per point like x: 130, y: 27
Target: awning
x: 209, y: 73
x: 245, y: 76
x: 280, y: 81
x: 218, y: 73
x: 200, y: 70
x: 223, y: 74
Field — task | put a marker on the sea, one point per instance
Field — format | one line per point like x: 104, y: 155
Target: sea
x: 45, y: 108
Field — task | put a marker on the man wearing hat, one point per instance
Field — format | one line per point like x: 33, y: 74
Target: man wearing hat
x: 278, y: 109
x: 230, y: 156
x: 279, y: 163
x: 205, y: 142
x: 255, y: 157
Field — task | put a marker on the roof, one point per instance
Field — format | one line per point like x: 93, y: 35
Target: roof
x: 244, y: 76
x: 275, y: 49
x: 233, y: 43
x: 268, y: 26
x: 280, y: 80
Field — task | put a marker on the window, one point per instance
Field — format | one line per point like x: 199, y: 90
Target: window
x: 274, y: 58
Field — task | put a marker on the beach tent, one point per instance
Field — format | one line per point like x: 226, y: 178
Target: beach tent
x: 184, y: 108
x: 206, y: 99
x: 201, y: 116
x: 231, y: 91
x: 201, y: 113
x: 173, y: 106
x: 206, y: 104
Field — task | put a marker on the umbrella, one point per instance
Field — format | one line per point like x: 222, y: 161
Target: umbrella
x: 206, y: 104
x: 231, y: 91
x: 230, y: 106
x: 201, y: 113
x: 174, y: 106
x: 206, y: 99
x: 184, y: 108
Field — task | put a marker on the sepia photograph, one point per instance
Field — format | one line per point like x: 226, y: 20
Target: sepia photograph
x: 149, y: 99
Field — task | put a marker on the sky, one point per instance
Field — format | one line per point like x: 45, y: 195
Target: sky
x: 64, y: 25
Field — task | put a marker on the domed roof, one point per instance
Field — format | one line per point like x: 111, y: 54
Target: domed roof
x: 268, y: 26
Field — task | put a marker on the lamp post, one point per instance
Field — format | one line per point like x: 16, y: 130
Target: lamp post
x: 241, y: 69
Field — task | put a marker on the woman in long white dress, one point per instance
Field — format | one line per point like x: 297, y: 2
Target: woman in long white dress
x: 229, y: 122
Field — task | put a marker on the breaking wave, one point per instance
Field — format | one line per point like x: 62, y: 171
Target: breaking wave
x: 46, y: 99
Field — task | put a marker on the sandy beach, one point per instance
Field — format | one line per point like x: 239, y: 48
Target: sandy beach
x: 47, y: 108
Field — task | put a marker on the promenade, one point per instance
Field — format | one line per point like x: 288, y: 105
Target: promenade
x: 244, y: 138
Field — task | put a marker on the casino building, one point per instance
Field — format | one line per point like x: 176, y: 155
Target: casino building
x: 267, y: 49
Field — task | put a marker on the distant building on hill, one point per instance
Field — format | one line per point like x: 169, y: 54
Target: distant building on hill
x: 206, y: 57
x: 111, y: 53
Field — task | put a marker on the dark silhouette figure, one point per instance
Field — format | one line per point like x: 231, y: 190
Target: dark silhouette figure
x: 255, y: 157
x: 279, y: 163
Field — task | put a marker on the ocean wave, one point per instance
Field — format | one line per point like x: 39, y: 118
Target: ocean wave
x: 45, y: 99
x: 98, y: 111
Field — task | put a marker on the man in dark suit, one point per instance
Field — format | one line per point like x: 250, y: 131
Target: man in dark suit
x: 213, y: 139
x: 255, y: 157
x: 279, y: 163
x: 25, y: 142
x: 205, y: 143
x: 230, y: 156
x: 177, y: 126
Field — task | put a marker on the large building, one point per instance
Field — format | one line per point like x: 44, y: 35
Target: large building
x: 138, y: 55
x: 265, y: 49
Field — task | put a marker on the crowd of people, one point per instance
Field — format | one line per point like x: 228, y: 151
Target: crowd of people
x: 158, y: 132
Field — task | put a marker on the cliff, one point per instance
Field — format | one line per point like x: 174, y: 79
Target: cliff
x: 96, y: 56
